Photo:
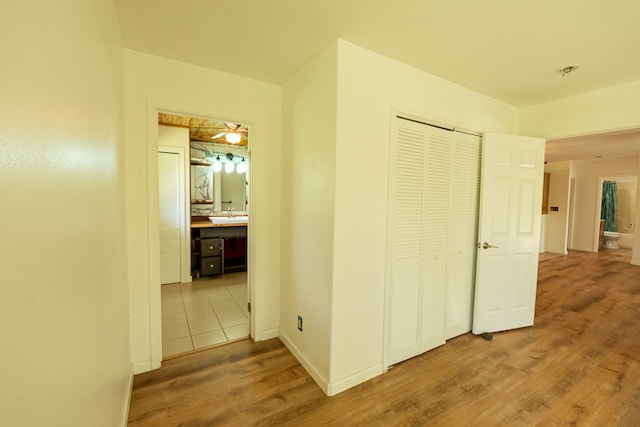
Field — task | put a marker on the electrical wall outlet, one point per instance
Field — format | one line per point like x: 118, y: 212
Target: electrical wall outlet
x: 300, y: 323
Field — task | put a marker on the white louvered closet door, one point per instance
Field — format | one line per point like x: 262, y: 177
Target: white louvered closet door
x: 169, y: 198
x: 406, y: 213
x: 462, y: 230
x: 435, y: 220
x: 432, y: 232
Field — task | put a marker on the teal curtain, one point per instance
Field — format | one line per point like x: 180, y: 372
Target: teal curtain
x: 609, y: 211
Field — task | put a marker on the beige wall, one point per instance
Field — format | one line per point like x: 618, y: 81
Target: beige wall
x: 587, y: 174
x: 337, y: 125
x: 308, y: 188
x: 626, y: 205
x: 614, y: 108
x: 370, y: 88
x: 556, y: 223
x: 610, y: 109
x: 63, y: 299
x: 155, y: 84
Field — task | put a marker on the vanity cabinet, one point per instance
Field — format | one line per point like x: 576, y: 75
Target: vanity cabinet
x: 218, y: 250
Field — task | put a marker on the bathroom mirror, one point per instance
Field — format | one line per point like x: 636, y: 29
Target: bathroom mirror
x: 220, y: 182
x: 232, y: 191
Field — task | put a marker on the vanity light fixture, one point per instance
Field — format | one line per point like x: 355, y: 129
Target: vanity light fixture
x: 232, y: 137
x: 217, y: 164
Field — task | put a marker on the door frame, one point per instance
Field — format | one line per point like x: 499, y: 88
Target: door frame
x: 153, y: 221
x: 601, y: 180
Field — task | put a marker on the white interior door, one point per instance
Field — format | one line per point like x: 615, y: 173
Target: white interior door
x: 509, y: 232
x: 169, y: 187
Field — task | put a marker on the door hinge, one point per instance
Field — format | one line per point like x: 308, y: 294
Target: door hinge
x: 249, y: 307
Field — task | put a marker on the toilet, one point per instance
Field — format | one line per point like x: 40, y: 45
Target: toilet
x: 611, y: 239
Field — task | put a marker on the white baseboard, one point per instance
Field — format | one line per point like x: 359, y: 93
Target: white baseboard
x: 332, y: 388
x: 317, y: 377
x: 583, y: 249
x: 267, y: 335
x: 140, y: 367
x: 127, y: 404
x: 355, y: 379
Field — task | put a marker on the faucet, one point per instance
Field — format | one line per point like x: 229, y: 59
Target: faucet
x: 230, y: 211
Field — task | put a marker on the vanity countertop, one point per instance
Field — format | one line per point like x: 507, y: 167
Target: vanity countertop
x: 207, y: 224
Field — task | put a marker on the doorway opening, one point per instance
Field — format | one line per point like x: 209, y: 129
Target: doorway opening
x: 616, y: 217
x: 211, y: 306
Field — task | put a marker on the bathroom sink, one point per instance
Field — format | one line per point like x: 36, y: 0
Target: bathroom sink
x: 240, y: 219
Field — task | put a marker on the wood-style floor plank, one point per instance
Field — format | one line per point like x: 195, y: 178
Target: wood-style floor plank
x: 579, y: 365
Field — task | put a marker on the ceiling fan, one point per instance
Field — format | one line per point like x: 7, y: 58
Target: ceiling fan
x: 232, y: 133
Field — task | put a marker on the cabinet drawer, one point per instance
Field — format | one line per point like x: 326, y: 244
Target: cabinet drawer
x: 210, y: 266
x: 210, y: 247
x: 240, y: 231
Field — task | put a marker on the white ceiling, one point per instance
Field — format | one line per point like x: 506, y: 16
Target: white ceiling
x: 509, y: 50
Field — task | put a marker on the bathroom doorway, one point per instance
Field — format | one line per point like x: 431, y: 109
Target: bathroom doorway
x: 625, y: 188
x: 212, y: 306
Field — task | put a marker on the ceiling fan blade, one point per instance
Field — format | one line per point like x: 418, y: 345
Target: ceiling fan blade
x: 218, y: 135
x: 243, y: 131
x: 231, y: 126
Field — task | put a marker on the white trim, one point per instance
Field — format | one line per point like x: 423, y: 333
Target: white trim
x: 617, y: 178
x: 153, y: 227
x: 346, y: 383
x: 335, y: 387
x: 572, y: 210
x: 267, y: 335
x: 435, y: 118
x: 127, y: 403
x: 153, y: 235
x: 306, y: 364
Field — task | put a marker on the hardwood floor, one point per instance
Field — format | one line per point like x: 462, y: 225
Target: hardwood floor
x: 578, y: 366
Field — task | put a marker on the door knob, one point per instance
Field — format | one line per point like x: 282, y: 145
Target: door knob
x: 486, y: 245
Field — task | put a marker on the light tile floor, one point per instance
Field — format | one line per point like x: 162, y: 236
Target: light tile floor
x: 204, y: 312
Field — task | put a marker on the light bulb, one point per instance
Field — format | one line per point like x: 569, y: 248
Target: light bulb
x: 232, y: 137
x: 228, y: 167
x: 241, y: 167
x: 217, y: 165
